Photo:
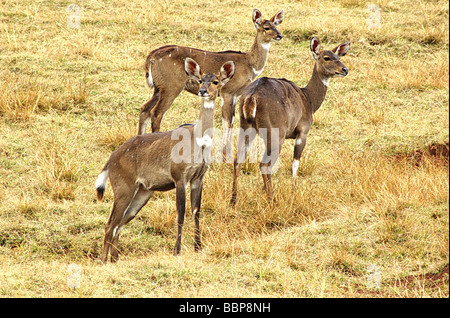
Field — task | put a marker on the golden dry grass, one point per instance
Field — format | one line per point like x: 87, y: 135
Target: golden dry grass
x: 69, y: 96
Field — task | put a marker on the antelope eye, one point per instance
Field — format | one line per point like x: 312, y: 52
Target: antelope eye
x: 216, y: 82
x: 326, y: 58
x: 266, y: 28
x: 200, y: 81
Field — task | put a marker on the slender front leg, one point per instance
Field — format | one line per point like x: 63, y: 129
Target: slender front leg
x: 196, y: 199
x: 245, y: 140
x: 121, y: 202
x: 181, y: 206
x: 272, y: 152
x: 228, y: 110
x: 300, y: 143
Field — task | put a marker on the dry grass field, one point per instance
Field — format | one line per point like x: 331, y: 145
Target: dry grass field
x: 369, y: 216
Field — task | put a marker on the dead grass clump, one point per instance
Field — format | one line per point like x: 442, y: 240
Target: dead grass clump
x: 342, y: 259
x: 21, y: 97
x: 394, y: 225
x: 78, y: 92
x: 113, y: 137
x: 373, y: 178
x: 426, y: 75
x: 434, y: 154
x: 57, y: 168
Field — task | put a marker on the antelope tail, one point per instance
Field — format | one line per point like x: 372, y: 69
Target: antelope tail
x: 148, y: 72
x: 102, y: 180
x: 249, y: 108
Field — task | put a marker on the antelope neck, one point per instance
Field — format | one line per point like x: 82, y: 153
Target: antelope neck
x: 316, y: 89
x: 257, y: 56
x: 206, y: 117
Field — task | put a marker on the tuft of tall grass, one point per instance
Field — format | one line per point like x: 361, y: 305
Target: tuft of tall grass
x: 114, y: 136
x: 57, y: 168
x: 22, y: 96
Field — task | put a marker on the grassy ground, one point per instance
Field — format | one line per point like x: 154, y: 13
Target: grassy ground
x: 369, y: 217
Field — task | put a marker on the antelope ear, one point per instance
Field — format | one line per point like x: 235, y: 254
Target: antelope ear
x: 315, y: 47
x: 226, y: 72
x: 341, y: 49
x: 278, y: 18
x: 192, y: 68
x: 257, y: 18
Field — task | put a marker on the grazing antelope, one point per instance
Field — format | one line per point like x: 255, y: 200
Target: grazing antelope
x: 148, y: 163
x: 284, y: 110
x: 164, y: 71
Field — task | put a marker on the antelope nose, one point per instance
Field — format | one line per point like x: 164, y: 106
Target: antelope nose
x: 202, y: 92
x: 279, y: 37
x: 345, y: 70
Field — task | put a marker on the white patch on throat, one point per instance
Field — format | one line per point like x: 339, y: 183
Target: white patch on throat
x: 265, y: 46
x: 208, y: 104
x: 257, y: 72
x: 325, y: 81
x: 204, y: 141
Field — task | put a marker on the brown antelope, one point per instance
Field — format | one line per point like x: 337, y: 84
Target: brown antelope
x: 153, y: 162
x: 285, y: 111
x: 165, y: 73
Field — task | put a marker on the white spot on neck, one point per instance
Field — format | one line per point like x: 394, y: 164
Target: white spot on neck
x: 204, y: 141
x: 325, y: 81
x: 208, y: 104
x: 265, y: 46
x: 257, y: 72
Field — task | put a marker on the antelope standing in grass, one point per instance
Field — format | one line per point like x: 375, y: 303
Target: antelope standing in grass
x: 148, y: 163
x: 165, y: 73
x: 284, y: 110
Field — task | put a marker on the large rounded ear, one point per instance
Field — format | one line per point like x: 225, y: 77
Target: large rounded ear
x: 257, y: 18
x: 192, y: 68
x: 315, y: 47
x: 278, y: 18
x: 341, y: 49
x: 226, y: 72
